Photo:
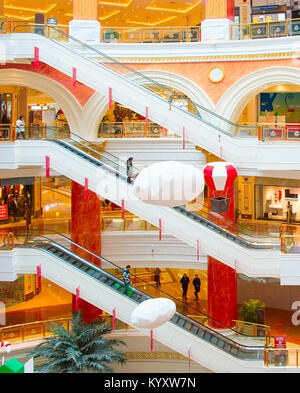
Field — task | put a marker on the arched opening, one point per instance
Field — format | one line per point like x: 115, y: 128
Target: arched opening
x: 244, y: 91
x: 31, y: 88
x: 177, y: 89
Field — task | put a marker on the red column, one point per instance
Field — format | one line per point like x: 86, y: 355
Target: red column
x: 221, y: 282
x: 86, y: 231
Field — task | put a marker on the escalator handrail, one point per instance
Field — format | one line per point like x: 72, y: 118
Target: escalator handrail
x: 148, y: 79
x: 52, y: 241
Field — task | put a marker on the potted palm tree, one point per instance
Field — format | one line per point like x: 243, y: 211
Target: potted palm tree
x: 82, y: 349
x: 249, y: 313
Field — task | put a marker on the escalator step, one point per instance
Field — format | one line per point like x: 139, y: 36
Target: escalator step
x: 188, y: 326
x: 220, y: 343
x: 214, y: 339
x: 175, y: 318
x: 194, y: 329
x: 200, y: 333
x: 97, y: 275
x: 180, y: 322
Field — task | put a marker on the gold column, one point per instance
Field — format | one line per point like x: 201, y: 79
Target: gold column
x: 85, y: 9
x: 216, y: 9
x: 2, y: 12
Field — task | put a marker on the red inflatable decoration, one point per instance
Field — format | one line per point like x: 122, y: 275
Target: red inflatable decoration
x: 219, y: 176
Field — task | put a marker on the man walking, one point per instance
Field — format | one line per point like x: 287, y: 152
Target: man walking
x: 184, y: 283
x: 197, y: 285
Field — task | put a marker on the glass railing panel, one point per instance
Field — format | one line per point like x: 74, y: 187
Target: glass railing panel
x: 240, y: 32
x: 151, y: 36
x: 135, y: 224
x: 133, y: 36
x: 293, y: 132
x: 272, y: 133
x: 111, y: 224
x: 260, y: 30
x: 294, y: 27
x: 281, y: 357
x: 290, y: 244
x: 278, y: 29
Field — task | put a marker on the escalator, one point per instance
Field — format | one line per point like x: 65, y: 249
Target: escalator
x: 69, y: 265
x: 77, y: 159
x: 206, y: 129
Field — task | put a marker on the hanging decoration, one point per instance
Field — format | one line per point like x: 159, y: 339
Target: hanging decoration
x: 114, y: 318
x: 110, y: 98
x: 160, y: 229
x: 36, y: 61
x: 219, y: 176
x: 151, y: 340
x: 189, y: 357
x: 153, y: 313
x: 39, y: 276
x: 77, y: 297
x: 47, y: 166
x: 147, y: 115
x: 169, y: 183
x: 123, y: 208
x: 86, y: 187
x: 74, y: 77
x: 198, y: 250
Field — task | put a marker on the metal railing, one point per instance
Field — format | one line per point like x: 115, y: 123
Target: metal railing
x: 132, y: 129
x: 150, y: 34
x: 271, y: 29
x: 42, y: 329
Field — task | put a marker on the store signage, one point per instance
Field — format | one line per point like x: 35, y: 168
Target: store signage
x: 51, y: 21
x: 280, y: 342
x: 3, y: 212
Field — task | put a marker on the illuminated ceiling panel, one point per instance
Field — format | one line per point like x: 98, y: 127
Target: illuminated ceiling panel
x: 115, y: 12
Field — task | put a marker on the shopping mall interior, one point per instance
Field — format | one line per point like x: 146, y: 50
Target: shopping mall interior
x: 196, y: 82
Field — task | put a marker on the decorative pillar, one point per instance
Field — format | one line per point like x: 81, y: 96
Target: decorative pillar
x: 219, y: 14
x: 85, y: 25
x: 86, y: 231
x: 221, y: 281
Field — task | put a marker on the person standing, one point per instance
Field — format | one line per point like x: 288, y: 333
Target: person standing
x: 157, y: 277
x: 126, y: 278
x: 184, y: 283
x: 197, y: 285
x: 129, y: 165
x: 20, y: 127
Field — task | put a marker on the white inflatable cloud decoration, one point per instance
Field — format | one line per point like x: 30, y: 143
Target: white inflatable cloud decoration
x: 169, y: 183
x: 153, y: 312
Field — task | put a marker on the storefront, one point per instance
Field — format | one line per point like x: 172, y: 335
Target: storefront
x: 269, y: 199
x: 17, y: 196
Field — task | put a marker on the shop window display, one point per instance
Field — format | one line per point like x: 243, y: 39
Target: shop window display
x: 277, y: 203
x: 15, y: 200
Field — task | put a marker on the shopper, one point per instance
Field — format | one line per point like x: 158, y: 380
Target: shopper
x: 126, y: 278
x: 184, y: 283
x: 197, y: 285
x: 129, y: 164
x: 157, y: 277
x: 118, y: 125
x: 6, y: 128
x: 20, y: 127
